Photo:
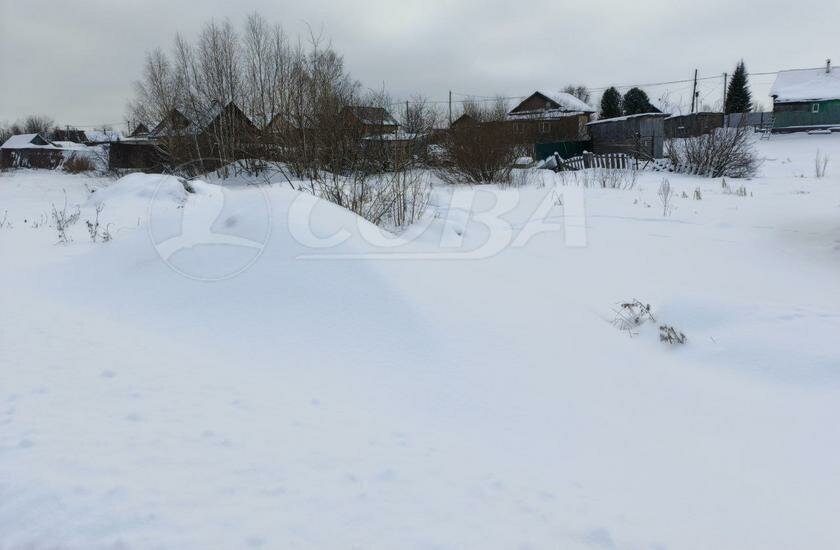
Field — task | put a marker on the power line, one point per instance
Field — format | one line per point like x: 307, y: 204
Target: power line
x: 477, y: 98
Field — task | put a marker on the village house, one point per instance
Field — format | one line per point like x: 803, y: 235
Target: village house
x: 372, y: 120
x: 806, y: 99
x: 545, y: 123
x: 551, y: 123
x: 30, y: 151
x: 217, y: 132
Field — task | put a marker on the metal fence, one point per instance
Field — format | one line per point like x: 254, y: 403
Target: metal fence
x: 757, y: 120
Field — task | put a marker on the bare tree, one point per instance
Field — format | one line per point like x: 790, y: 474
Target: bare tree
x: 37, y: 124
x: 579, y: 91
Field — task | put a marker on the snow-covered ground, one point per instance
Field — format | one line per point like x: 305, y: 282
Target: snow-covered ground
x: 226, y: 396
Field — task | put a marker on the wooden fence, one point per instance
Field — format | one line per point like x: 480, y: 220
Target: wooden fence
x: 621, y: 161
x: 618, y: 161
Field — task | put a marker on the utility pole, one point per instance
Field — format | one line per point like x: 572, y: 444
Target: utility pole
x: 725, y: 76
x: 450, y: 107
x: 694, y: 92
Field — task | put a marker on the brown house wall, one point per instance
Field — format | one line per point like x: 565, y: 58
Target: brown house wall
x: 31, y: 158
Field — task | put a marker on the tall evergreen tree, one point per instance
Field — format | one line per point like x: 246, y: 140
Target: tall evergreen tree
x: 611, y: 103
x: 738, y: 95
x: 636, y: 102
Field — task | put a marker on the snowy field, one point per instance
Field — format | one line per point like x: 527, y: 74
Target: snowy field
x: 221, y: 396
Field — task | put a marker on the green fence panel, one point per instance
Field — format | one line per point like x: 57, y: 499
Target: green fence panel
x: 565, y: 149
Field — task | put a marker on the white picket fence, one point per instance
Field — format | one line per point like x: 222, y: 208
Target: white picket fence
x: 618, y: 161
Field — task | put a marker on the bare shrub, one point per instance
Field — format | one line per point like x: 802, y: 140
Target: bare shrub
x: 631, y: 315
x: 670, y: 335
x: 411, y: 191
x: 615, y: 178
x: 666, y: 195
x: 4, y: 221
x: 739, y: 191
x: 820, y: 164
x: 605, y: 178
x: 63, y: 220
x: 698, y: 196
x: 722, y: 152
x: 479, y: 153
x: 93, y: 226
x: 78, y: 164
x: 522, y: 177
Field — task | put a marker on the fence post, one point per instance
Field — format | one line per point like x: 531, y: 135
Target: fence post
x: 587, y: 159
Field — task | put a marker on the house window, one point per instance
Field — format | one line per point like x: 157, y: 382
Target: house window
x: 545, y: 127
x: 815, y: 107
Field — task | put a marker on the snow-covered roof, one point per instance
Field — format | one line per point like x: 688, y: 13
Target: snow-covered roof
x: 70, y: 145
x: 568, y: 102
x: 699, y: 113
x: 559, y: 104
x: 627, y: 117
x: 27, y: 141
x: 395, y: 136
x: 373, y: 116
x: 103, y: 136
x: 806, y: 85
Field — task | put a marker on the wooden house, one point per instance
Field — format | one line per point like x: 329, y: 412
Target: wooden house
x: 371, y: 120
x: 550, y: 118
x: 30, y: 151
x: 805, y: 99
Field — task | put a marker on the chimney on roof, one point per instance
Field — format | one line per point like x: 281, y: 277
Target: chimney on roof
x: 827, y: 65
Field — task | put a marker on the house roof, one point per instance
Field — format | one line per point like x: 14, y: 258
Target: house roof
x: 464, y: 118
x: 103, y: 136
x: 175, y: 121
x: 693, y: 115
x: 139, y: 130
x: 180, y: 124
x: 557, y: 105
x: 628, y: 117
x: 27, y: 141
x: 806, y: 85
x: 375, y: 116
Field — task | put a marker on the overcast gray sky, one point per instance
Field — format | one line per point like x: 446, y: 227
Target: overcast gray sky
x: 76, y: 60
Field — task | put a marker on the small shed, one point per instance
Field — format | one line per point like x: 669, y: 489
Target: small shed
x: 639, y: 135
x: 692, y: 125
x: 805, y: 99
